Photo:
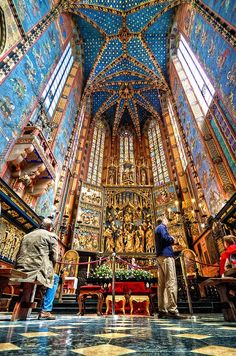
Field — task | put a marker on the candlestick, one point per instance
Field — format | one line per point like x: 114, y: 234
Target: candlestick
x: 88, y: 268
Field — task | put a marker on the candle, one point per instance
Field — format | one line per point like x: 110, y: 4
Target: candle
x: 88, y: 268
x: 169, y: 211
x: 177, y: 205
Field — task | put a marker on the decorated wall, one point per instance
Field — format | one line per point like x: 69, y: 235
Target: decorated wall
x: 224, y: 8
x: 12, y: 33
x: 64, y: 130
x: 19, y: 92
x: 30, y: 12
x: 218, y: 59
x: 200, y: 155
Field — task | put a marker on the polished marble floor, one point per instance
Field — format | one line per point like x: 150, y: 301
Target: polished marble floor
x: 120, y: 335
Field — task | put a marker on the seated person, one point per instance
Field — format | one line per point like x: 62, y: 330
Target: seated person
x: 228, y: 257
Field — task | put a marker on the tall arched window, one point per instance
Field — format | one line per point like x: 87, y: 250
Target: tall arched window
x: 159, y: 166
x: 126, y: 147
x: 177, y: 136
x: 96, y: 155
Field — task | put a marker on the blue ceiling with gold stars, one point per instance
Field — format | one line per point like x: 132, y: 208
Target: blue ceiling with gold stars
x: 125, y: 57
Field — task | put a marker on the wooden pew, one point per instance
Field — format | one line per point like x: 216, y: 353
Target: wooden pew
x: 223, y: 285
x: 6, y: 274
x: 25, y: 303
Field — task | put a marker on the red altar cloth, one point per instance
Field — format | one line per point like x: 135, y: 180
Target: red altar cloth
x: 130, y: 288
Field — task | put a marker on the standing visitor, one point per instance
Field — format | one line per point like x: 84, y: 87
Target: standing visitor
x: 37, y: 257
x: 167, y: 280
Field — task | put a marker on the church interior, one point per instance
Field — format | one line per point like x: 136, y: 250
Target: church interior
x: 114, y: 114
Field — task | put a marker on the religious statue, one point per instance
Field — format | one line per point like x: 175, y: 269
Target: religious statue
x: 112, y: 175
x: 108, y: 235
x: 149, y: 239
x: 143, y: 177
x: 129, y: 239
x: 139, y: 243
x: 119, y: 242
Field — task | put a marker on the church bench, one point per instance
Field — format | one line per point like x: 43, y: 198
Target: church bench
x: 10, y: 277
x: 223, y: 285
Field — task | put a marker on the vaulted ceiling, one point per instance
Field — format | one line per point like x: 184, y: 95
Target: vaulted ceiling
x: 125, y: 56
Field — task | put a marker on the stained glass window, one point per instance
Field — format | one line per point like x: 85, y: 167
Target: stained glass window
x: 177, y: 136
x: 159, y: 165
x: 126, y: 152
x: 126, y: 147
x: 199, y: 82
x: 52, y: 92
x: 96, y: 155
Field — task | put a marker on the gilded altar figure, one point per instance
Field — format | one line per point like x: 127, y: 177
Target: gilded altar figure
x: 129, y: 239
x: 143, y: 177
x: 128, y: 216
x: 112, y: 175
x: 139, y: 242
x: 119, y: 242
x: 150, y: 239
x: 109, y: 241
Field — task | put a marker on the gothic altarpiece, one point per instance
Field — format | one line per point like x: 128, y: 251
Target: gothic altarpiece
x: 124, y: 217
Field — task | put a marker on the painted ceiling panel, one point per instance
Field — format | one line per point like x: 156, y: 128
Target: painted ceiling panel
x: 152, y: 97
x: 141, y: 99
x: 112, y: 98
x: 110, y: 23
x: 109, y: 115
x: 162, y: 25
x: 98, y: 99
x: 143, y: 115
x: 131, y: 105
x: 137, y: 20
x: 138, y: 86
x: 136, y: 50
x: 158, y: 46
x: 115, y: 4
x: 125, y: 64
x: 126, y: 78
x: 112, y: 87
x: 125, y: 56
x: 93, y: 41
x: 112, y: 51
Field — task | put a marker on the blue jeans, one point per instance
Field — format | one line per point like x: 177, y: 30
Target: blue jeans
x: 50, y: 294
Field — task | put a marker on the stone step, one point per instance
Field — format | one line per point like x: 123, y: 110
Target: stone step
x: 70, y: 306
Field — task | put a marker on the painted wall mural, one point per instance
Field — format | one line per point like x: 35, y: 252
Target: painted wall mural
x: 45, y: 203
x: 31, y: 11
x: 65, y: 128
x: 225, y: 8
x: 19, y: 91
x: 200, y: 156
x: 12, y: 31
x: 89, y: 217
x: 90, y: 195
x: 64, y: 27
x: 86, y: 239
x: 218, y: 58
